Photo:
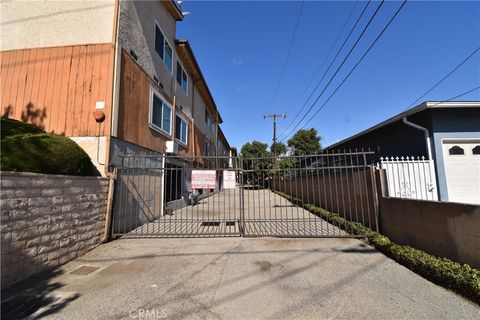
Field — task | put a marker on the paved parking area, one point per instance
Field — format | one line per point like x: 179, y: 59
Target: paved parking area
x: 243, y: 278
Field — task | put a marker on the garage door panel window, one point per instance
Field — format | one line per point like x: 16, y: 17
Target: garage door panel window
x: 476, y: 150
x: 456, y: 151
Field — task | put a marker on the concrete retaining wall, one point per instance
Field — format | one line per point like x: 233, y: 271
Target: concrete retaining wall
x: 48, y: 220
x: 450, y: 230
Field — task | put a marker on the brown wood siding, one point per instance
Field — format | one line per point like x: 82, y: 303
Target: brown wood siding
x: 199, y: 145
x: 134, y: 107
x: 57, y: 88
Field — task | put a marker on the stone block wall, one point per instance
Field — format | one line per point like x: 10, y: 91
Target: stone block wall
x: 445, y: 229
x: 48, y: 220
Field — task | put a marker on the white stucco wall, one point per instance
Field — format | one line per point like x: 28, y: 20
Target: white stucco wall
x: 92, y: 145
x: 47, y: 23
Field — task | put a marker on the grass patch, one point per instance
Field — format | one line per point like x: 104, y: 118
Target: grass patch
x: 26, y: 148
x: 460, y: 278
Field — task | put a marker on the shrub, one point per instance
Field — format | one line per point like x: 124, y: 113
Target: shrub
x: 12, y: 127
x: 26, y: 148
x: 461, y: 278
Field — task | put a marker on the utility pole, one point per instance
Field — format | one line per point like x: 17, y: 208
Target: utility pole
x: 274, y: 116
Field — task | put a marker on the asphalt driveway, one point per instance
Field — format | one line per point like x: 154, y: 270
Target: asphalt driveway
x: 243, y: 278
x: 266, y: 214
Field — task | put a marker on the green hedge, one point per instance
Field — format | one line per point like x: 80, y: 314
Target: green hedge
x: 12, y: 127
x: 26, y: 148
x: 461, y: 278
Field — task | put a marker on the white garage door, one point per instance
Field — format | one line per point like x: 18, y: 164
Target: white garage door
x: 462, y: 167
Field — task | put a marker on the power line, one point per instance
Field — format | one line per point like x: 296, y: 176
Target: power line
x: 339, y: 67
x: 457, y: 96
x: 274, y: 117
x: 356, y: 65
x: 325, y: 60
x: 445, y: 77
x: 288, y: 56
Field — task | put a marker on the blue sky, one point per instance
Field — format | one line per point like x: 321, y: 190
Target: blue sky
x: 241, y: 48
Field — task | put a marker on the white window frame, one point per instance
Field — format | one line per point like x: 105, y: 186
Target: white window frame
x: 164, y: 40
x: 186, y: 132
x: 150, y: 114
x: 188, y: 78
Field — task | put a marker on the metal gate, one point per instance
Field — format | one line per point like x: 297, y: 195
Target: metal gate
x: 182, y: 196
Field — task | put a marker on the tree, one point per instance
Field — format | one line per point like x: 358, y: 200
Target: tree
x: 305, y: 142
x: 278, y: 148
x: 254, y: 149
x: 256, y: 169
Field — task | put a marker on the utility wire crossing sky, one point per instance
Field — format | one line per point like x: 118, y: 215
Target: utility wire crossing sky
x: 273, y: 57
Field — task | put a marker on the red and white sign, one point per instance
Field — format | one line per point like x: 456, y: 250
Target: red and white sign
x: 204, y: 179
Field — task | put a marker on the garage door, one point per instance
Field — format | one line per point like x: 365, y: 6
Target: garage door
x: 462, y: 167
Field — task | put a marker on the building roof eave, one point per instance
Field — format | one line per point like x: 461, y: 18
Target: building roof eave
x: 183, y: 43
x: 174, y: 9
x: 421, y: 107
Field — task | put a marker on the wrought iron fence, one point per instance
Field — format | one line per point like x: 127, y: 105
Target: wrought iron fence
x: 172, y: 196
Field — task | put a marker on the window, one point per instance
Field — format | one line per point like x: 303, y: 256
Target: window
x: 181, y: 130
x: 168, y: 56
x: 209, y: 121
x: 159, y: 42
x: 476, y: 150
x: 182, y: 77
x: 456, y: 150
x: 160, y: 113
x: 206, y: 148
x: 212, y: 126
x: 162, y: 47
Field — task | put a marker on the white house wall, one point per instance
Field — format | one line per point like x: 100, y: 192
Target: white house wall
x: 46, y: 23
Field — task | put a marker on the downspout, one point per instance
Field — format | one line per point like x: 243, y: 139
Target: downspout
x: 112, y: 176
x: 427, y: 135
x: 111, y: 186
x: 108, y: 217
x: 429, y: 151
x: 192, y: 140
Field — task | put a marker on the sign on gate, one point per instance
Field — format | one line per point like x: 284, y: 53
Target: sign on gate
x: 204, y: 179
x: 228, y: 179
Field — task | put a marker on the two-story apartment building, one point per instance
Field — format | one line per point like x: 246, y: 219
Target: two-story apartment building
x: 66, y: 64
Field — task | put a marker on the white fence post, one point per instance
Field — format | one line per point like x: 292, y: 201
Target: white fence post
x: 410, y: 178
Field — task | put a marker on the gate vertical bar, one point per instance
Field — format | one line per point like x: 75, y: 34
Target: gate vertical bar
x: 241, y: 199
